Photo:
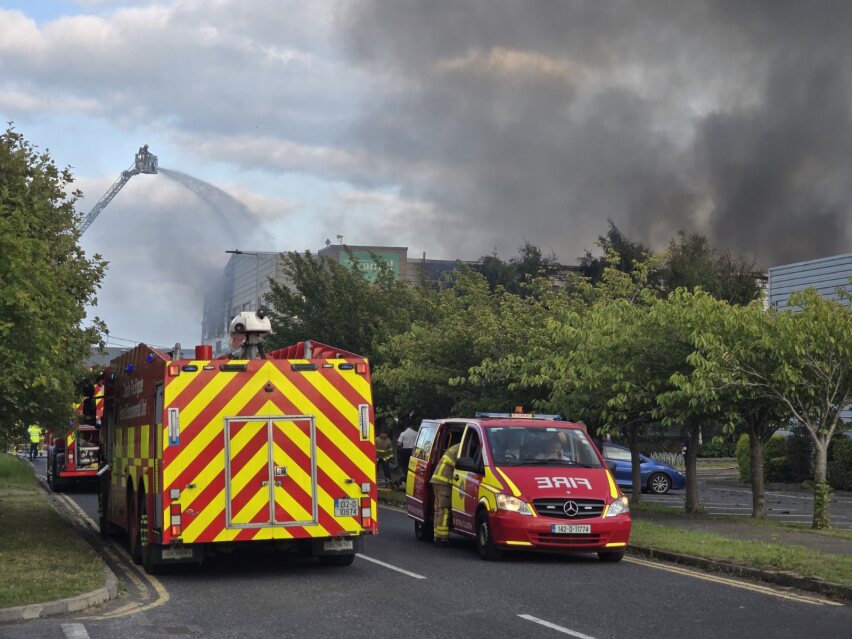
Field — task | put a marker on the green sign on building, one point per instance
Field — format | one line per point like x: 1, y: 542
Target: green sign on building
x: 368, y: 267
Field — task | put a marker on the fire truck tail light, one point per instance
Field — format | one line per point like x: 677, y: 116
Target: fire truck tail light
x: 366, y: 513
x: 174, y: 493
x: 175, y: 531
x: 174, y: 511
x: 361, y: 368
x: 174, y: 370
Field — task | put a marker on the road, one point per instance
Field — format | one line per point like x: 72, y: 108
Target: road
x: 400, y: 586
x: 722, y: 494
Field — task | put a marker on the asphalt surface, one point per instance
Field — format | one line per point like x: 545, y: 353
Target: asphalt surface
x: 404, y: 587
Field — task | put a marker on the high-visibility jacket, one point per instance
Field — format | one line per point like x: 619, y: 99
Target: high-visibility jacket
x: 35, y: 434
x: 384, y: 451
x: 444, y: 472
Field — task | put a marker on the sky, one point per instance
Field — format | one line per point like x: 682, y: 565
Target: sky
x: 458, y: 128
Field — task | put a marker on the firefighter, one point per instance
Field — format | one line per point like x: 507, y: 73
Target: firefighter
x: 442, y: 486
x: 35, y: 439
x: 384, y: 454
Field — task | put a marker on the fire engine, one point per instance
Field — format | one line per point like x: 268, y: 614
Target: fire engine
x: 203, y: 455
x: 73, y: 453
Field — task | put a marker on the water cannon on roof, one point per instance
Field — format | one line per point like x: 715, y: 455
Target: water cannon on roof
x: 247, y: 332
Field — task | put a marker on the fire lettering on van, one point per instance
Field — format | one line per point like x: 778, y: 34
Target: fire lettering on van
x: 564, y: 482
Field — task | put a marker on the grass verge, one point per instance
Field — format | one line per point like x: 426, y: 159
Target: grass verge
x: 42, y: 557
x: 842, y: 533
x: 789, y: 558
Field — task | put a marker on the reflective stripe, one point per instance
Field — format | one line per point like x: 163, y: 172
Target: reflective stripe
x: 613, y: 489
x: 514, y: 489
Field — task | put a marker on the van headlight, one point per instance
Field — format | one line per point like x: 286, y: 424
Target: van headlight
x: 619, y: 507
x: 512, y: 504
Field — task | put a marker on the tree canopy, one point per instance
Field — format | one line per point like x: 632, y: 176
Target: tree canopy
x: 47, y: 282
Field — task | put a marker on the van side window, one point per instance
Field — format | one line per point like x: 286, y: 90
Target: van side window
x: 424, y: 441
x: 472, y: 446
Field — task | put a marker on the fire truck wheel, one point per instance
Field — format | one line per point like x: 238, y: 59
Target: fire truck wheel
x: 149, y: 552
x: 135, y: 531
x: 484, y: 543
x: 423, y: 531
x: 337, y: 560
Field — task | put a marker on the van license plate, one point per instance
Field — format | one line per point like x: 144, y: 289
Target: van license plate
x: 345, y: 507
x: 177, y: 553
x: 337, y: 544
x: 571, y: 529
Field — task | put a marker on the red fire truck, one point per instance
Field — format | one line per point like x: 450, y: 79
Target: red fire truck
x: 206, y: 454
x: 73, y: 453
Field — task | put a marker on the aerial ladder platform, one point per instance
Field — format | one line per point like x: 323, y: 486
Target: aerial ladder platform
x: 144, y: 162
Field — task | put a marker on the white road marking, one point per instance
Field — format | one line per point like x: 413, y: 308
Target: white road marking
x: 553, y: 626
x: 75, y: 631
x: 381, y: 563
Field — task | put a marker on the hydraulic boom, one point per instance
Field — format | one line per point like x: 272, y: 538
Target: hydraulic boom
x: 144, y: 162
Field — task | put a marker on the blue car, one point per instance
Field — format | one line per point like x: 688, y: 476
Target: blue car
x: 657, y: 477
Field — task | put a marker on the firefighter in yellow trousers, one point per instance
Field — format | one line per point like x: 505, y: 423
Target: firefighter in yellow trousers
x: 442, y: 486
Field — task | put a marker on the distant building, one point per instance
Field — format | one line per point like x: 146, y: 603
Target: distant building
x: 824, y: 274
x: 245, y: 281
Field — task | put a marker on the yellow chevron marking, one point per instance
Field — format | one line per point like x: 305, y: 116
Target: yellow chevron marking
x: 215, y: 426
x: 239, y: 481
x: 358, y: 382
x: 334, y: 396
x: 144, y: 442
x: 325, y: 501
x: 343, y: 443
x: 302, y: 479
x: 178, y: 384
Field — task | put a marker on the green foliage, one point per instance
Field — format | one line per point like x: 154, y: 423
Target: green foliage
x: 630, y: 254
x: 330, y: 303
x: 840, y: 464
x: 516, y: 275
x: 716, y: 447
x: 776, y: 466
x: 691, y: 262
x: 47, y: 282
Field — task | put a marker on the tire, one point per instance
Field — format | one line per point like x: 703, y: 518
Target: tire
x: 611, y: 556
x: 337, y: 560
x: 659, y: 483
x: 148, y: 552
x: 484, y: 544
x: 134, y: 531
x: 424, y: 531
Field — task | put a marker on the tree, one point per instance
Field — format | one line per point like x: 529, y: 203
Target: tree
x: 738, y: 330
x: 809, y: 375
x: 47, y: 282
x: 690, y: 261
x: 630, y: 254
x: 517, y: 275
x: 330, y: 303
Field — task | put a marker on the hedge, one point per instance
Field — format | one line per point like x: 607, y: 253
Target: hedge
x: 840, y: 464
x: 776, y: 466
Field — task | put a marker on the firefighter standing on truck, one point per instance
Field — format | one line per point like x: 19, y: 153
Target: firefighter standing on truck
x: 442, y: 486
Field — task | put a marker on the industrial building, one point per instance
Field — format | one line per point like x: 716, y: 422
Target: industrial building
x: 245, y: 280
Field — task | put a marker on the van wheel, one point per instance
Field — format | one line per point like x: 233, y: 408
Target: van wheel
x: 484, y: 543
x: 337, y: 560
x: 424, y: 531
x: 611, y: 557
x: 659, y: 484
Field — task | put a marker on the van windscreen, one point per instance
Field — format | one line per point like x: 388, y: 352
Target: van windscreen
x: 537, y: 446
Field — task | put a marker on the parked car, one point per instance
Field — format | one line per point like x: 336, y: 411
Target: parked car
x: 657, y: 477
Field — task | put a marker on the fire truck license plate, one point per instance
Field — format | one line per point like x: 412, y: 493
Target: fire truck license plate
x: 337, y: 544
x: 177, y: 553
x: 345, y: 507
x: 571, y: 529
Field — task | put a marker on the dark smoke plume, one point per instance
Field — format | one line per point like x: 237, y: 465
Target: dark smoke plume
x: 540, y: 120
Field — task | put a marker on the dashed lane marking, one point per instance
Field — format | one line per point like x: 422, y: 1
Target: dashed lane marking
x: 390, y: 566
x: 553, y: 626
x: 75, y: 631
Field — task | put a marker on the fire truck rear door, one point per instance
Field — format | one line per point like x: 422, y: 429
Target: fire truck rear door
x: 270, y: 471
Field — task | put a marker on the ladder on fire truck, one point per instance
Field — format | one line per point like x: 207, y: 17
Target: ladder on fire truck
x: 144, y: 162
